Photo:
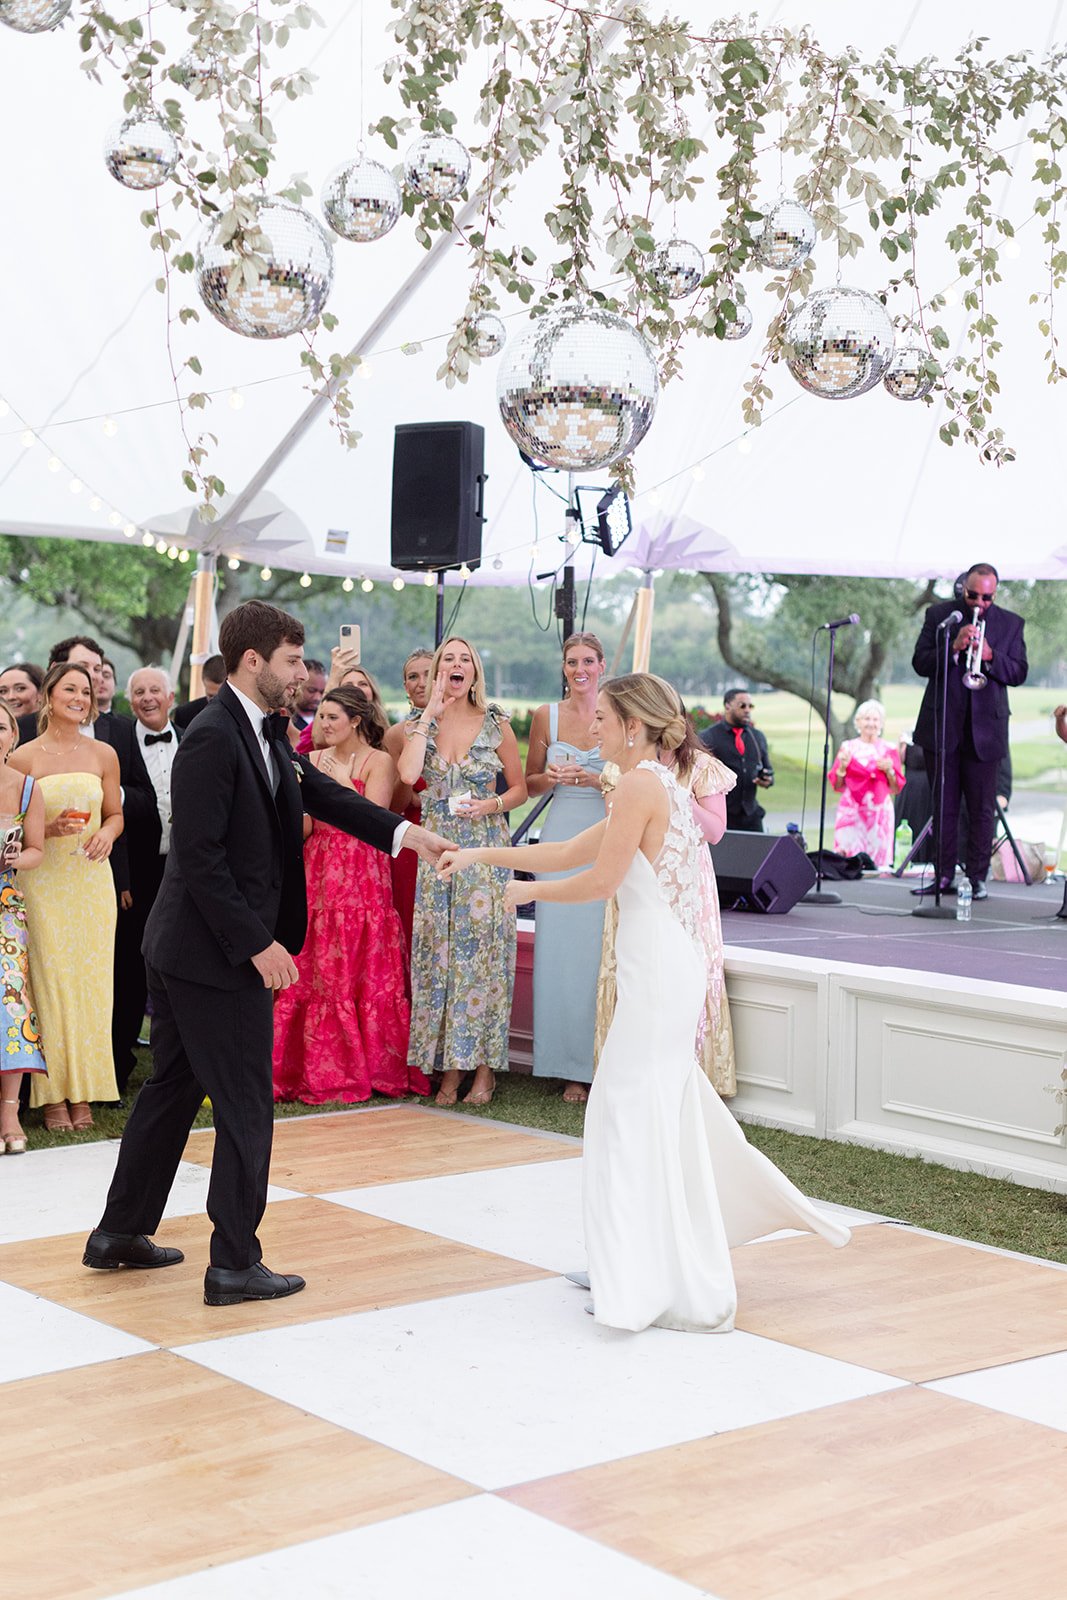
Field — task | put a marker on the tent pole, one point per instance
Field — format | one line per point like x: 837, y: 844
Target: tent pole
x: 203, y: 619
x: 644, y: 601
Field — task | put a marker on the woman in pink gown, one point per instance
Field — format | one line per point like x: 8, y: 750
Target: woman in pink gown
x: 867, y: 774
x: 341, y: 1031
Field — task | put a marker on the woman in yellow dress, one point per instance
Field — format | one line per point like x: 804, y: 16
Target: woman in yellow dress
x: 70, y: 900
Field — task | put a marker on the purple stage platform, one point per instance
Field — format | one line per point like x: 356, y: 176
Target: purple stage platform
x: 1013, y: 937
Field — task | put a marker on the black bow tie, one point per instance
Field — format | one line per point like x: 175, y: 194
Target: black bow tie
x: 274, y: 726
x: 159, y: 738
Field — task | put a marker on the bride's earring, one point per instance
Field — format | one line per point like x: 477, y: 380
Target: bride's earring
x: 629, y: 741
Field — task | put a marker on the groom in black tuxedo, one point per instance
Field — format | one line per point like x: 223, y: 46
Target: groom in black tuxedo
x: 229, y: 917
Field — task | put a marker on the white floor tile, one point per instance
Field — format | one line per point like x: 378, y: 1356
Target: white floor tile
x: 518, y: 1383
x: 49, y: 1192
x: 478, y: 1549
x: 40, y: 1337
x: 532, y: 1213
x: 1034, y: 1390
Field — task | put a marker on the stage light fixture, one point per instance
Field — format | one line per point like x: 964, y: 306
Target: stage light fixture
x: 607, y: 523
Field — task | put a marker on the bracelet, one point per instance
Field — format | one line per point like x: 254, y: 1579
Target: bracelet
x: 499, y: 804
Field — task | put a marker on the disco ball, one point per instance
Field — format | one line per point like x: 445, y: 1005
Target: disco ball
x: 788, y: 235
x: 199, y: 75
x: 437, y: 166
x: 141, y: 152
x: 361, y: 200
x: 577, y: 389
x: 904, y: 377
x: 678, y: 267
x: 291, y: 288
x: 490, y: 335
x: 838, y: 343
x: 741, y: 327
x: 33, y: 16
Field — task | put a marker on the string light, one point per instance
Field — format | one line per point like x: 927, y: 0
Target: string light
x: 130, y: 529
x: 95, y: 503
x: 266, y: 574
x: 183, y: 556
x: 698, y: 474
x: 147, y: 540
x: 398, y: 584
x: 347, y: 585
x: 305, y: 580
x: 54, y: 463
x: 75, y: 486
x: 237, y: 400
x: 233, y: 564
x: 111, y: 427
x: 430, y: 581
x: 366, y: 586
x: 161, y: 547
x: 464, y: 572
x: 114, y: 518
x: 28, y: 440
x: 172, y: 552
x: 950, y: 297
x: 1010, y: 248
x: 744, y: 446
x: 365, y: 370
x: 654, y: 499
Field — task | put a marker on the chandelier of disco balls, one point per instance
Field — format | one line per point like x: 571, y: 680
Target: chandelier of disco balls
x: 437, y: 166
x: 677, y: 268
x: 787, y: 237
x: 838, y: 343
x: 33, y: 16
x: 490, y: 335
x: 292, y: 273
x: 361, y: 200
x: 906, y: 377
x: 578, y: 388
x: 140, y: 151
x: 741, y: 326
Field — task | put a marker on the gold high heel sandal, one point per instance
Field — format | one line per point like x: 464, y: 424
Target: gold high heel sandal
x: 57, y: 1118
x: 14, y: 1143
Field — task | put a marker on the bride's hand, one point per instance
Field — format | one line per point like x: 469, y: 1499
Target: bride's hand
x: 517, y: 892
x: 451, y: 861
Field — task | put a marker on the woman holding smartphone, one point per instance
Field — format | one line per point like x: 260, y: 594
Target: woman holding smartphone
x: 70, y: 900
x: 21, y: 847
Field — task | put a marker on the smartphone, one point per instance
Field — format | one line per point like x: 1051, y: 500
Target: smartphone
x: 349, y: 639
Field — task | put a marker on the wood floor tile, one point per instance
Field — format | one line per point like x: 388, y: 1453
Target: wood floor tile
x: 349, y: 1150
x: 352, y: 1262
x: 904, y: 1493
x: 903, y: 1303
x: 142, y: 1469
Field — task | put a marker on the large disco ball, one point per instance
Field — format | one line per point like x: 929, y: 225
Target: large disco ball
x: 678, y: 267
x: 490, y: 335
x: 291, y: 288
x: 361, y: 200
x: 200, y: 75
x: 787, y: 237
x: 741, y: 327
x: 141, y: 152
x: 905, y: 378
x: 838, y: 343
x: 33, y: 16
x: 437, y: 166
x: 577, y: 389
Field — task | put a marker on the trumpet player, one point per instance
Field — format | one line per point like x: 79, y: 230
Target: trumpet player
x: 986, y: 658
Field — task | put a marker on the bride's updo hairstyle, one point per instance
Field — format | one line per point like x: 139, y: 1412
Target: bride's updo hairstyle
x: 653, y: 702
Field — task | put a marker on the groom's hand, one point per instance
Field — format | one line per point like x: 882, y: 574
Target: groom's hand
x: 276, y: 967
x: 426, y: 844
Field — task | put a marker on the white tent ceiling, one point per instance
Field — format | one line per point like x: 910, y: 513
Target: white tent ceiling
x: 853, y: 487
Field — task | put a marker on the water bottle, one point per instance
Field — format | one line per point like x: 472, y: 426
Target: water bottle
x: 963, y: 900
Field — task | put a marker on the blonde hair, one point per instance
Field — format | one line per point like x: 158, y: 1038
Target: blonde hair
x: 654, y: 702
x: 589, y: 639
x: 476, y: 692
x: 51, y: 678
x: 380, y: 715
x: 13, y: 720
x: 868, y: 706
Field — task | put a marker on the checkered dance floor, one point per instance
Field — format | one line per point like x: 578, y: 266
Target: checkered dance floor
x: 435, y: 1416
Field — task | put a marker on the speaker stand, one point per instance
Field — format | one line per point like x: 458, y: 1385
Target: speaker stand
x: 439, y: 615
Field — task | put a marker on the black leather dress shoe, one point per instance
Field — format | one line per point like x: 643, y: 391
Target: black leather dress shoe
x: 978, y: 889
x: 228, y: 1286
x: 947, y: 887
x: 106, y: 1250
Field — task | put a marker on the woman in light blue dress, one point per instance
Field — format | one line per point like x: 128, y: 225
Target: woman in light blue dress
x: 565, y: 759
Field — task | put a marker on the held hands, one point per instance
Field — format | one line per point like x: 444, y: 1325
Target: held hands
x: 453, y: 861
x: 517, y: 893
x: 427, y: 846
x: 276, y: 967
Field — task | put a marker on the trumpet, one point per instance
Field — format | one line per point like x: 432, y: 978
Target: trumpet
x: 973, y: 676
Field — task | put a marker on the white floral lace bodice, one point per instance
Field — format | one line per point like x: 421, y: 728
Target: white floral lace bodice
x: 677, y: 867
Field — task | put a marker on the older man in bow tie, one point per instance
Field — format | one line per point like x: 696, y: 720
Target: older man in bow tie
x: 151, y: 698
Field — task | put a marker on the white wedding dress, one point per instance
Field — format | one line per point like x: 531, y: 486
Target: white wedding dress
x: 670, y: 1183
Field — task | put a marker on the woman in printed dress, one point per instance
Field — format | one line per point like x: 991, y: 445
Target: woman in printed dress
x: 21, y: 847
x: 867, y: 775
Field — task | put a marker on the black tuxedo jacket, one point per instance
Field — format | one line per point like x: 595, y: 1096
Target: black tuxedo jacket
x: 989, y: 706
x: 182, y: 715
x: 234, y: 879
x: 743, y: 798
x: 143, y: 830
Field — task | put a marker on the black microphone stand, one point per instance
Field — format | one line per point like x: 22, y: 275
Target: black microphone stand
x: 820, y: 896
x: 937, y: 911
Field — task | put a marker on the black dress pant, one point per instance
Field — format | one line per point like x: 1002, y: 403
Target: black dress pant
x: 204, y: 1041
x: 977, y: 781
x: 745, y: 824
x: 131, y: 981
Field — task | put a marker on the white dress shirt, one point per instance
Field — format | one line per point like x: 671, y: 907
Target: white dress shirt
x: 159, y: 758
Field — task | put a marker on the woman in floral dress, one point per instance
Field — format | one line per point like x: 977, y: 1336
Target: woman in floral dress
x: 21, y: 847
x: 463, y: 945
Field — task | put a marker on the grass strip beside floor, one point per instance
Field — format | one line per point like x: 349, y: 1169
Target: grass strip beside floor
x: 966, y: 1205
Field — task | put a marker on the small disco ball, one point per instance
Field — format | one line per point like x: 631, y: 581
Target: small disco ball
x: 741, y: 327
x: 905, y: 378
x: 437, y: 166
x: 838, y: 343
x: 33, y: 16
x: 199, y: 75
x: 361, y: 200
x: 788, y: 236
x: 291, y: 288
x: 141, y: 152
x: 678, y: 267
x: 577, y: 389
x: 490, y: 335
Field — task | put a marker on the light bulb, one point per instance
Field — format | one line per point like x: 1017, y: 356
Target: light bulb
x: 744, y: 446
x: 1010, y: 248
x: 430, y: 581
x: 183, y: 556
x: 233, y: 564
x: 366, y: 586
x: 28, y: 440
x: 172, y: 552
x: 950, y: 297
x: 464, y: 572
x: 654, y: 499
x: 75, y: 486
x: 266, y: 574
x: 147, y: 540
x: 498, y: 565
x: 305, y: 580
x: 95, y: 503
x: 347, y: 585
x: 398, y: 584
x: 54, y: 463
x: 161, y: 547
x: 111, y: 427
x: 698, y: 474
x: 365, y: 370
x: 114, y: 518
x: 130, y: 529
x: 237, y: 400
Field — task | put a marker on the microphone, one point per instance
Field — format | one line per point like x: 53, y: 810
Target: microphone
x: 947, y: 622
x: 842, y: 622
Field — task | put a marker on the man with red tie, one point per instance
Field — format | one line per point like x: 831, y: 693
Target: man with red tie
x: 741, y: 747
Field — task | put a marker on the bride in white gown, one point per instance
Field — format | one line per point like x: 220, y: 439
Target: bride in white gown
x: 670, y: 1183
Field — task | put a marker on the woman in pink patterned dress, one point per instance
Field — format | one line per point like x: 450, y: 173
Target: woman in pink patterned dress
x: 867, y: 774
x: 341, y: 1031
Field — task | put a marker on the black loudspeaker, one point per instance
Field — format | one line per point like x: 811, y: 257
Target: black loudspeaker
x: 761, y: 871
x: 438, y: 473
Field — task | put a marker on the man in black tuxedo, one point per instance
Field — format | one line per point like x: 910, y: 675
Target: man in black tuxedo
x: 743, y: 748
x: 975, y: 736
x: 147, y: 844
x: 213, y: 672
x: 228, y: 919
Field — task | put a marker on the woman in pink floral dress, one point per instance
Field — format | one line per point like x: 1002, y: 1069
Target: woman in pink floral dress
x: 867, y: 774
